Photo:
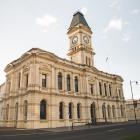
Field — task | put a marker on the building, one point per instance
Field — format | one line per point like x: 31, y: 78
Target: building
x: 43, y: 90
x: 2, y: 90
x: 133, y: 110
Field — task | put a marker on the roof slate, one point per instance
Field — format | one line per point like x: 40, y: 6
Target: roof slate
x: 78, y: 18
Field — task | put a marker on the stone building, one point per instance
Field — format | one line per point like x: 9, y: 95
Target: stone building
x: 133, y: 110
x: 43, y: 90
x: 2, y: 90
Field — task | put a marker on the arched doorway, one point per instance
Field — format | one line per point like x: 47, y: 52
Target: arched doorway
x: 16, y: 114
x: 93, y: 113
x: 104, y: 112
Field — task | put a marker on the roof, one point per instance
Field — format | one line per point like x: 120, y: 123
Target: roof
x: 78, y: 18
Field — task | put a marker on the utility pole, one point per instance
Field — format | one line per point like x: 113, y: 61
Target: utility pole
x: 133, y: 98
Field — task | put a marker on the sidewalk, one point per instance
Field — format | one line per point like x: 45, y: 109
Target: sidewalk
x: 66, y: 129
x: 82, y: 127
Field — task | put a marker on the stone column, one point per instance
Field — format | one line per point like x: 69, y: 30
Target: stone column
x: 53, y: 79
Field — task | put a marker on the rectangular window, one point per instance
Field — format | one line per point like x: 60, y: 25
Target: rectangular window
x: 26, y: 78
x: 91, y: 88
x: 105, y: 89
x: 19, y: 79
x: 110, y: 89
x: 119, y: 93
x: 44, y: 80
x: 100, y: 88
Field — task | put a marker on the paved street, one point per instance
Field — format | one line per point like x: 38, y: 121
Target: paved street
x: 96, y: 133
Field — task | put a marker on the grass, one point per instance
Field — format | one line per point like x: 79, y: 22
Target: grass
x: 133, y: 137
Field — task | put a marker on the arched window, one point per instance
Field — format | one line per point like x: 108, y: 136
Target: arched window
x: 7, y: 112
x: 100, y: 88
x: 25, y: 110
x: 93, y: 111
x: 16, y: 111
x: 43, y: 109
x: 104, y: 111
x: 68, y: 83
x: 61, y: 110
x: 76, y: 84
x: 122, y: 111
x: 70, y: 110
x: 109, y: 111
x: 110, y: 90
x: 60, y: 81
x: 113, y: 111
x: 105, y: 89
x: 78, y: 110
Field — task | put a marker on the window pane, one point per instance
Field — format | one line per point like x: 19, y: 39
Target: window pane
x: 61, y: 110
x: 44, y: 80
x: 60, y: 81
x: 91, y: 88
x: 78, y: 111
x: 100, y: 88
x: 26, y: 83
x: 70, y: 110
x: 43, y: 109
x: 76, y: 84
x: 68, y: 83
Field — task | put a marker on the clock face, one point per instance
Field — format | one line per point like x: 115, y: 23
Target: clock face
x: 74, y: 40
x: 86, y: 39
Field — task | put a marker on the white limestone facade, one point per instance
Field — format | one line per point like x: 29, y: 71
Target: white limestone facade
x: 43, y: 90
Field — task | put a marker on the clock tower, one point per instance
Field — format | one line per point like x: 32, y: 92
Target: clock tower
x: 79, y: 34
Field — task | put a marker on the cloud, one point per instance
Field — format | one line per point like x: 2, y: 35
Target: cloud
x: 125, y: 37
x: 113, y: 4
x: 46, y: 21
x: 84, y: 10
x: 135, y: 11
x: 115, y: 24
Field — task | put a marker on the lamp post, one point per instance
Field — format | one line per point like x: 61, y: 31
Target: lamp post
x: 136, y: 82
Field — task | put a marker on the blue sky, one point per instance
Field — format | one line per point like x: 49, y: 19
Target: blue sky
x: 25, y: 24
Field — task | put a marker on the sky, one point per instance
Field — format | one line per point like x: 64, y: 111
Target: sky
x: 25, y: 24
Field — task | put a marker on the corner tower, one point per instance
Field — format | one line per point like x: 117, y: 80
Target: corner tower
x: 80, y: 34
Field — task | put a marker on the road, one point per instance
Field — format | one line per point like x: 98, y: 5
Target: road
x: 109, y: 133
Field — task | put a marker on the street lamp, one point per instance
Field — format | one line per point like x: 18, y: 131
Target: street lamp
x: 136, y: 82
